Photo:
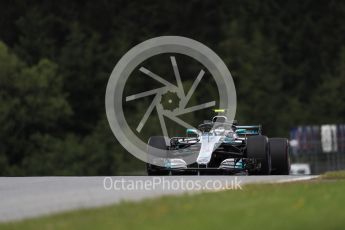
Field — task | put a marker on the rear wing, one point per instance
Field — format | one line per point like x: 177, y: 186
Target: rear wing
x: 248, y: 129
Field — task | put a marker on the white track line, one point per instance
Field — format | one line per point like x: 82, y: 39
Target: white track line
x: 297, y: 179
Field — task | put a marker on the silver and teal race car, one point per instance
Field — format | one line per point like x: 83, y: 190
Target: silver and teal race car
x: 221, y: 147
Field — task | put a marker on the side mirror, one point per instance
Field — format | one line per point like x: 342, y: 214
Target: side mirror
x: 240, y: 131
x: 192, y: 133
x: 234, y: 122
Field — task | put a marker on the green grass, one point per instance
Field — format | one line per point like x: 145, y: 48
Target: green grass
x: 334, y: 175
x: 318, y: 204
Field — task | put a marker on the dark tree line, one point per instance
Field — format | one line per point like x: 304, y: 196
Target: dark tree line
x: 287, y: 59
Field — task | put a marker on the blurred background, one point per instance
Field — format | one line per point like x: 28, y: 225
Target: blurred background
x: 287, y: 59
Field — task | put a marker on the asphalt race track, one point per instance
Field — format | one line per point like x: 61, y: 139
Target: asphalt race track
x: 25, y: 197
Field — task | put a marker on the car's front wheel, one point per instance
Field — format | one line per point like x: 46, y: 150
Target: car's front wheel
x: 258, y: 149
x: 154, y: 145
x: 153, y: 170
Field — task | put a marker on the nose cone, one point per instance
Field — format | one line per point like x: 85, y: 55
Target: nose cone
x: 208, y: 145
x: 203, y: 160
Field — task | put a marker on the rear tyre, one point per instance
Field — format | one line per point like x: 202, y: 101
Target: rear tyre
x: 154, y: 143
x: 279, y: 148
x: 257, y: 148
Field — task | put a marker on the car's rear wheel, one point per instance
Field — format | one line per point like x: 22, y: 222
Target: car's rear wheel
x: 279, y: 149
x: 258, y: 149
x: 154, y: 143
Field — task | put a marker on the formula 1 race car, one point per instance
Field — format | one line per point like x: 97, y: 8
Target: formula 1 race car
x: 221, y: 147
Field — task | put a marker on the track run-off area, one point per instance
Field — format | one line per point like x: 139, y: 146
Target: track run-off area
x: 27, y: 197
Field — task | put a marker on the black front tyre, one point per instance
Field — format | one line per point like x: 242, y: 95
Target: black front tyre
x: 257, y: 148
x: 279, y: 148
x: 157, y: 142
x: 153, y: 170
